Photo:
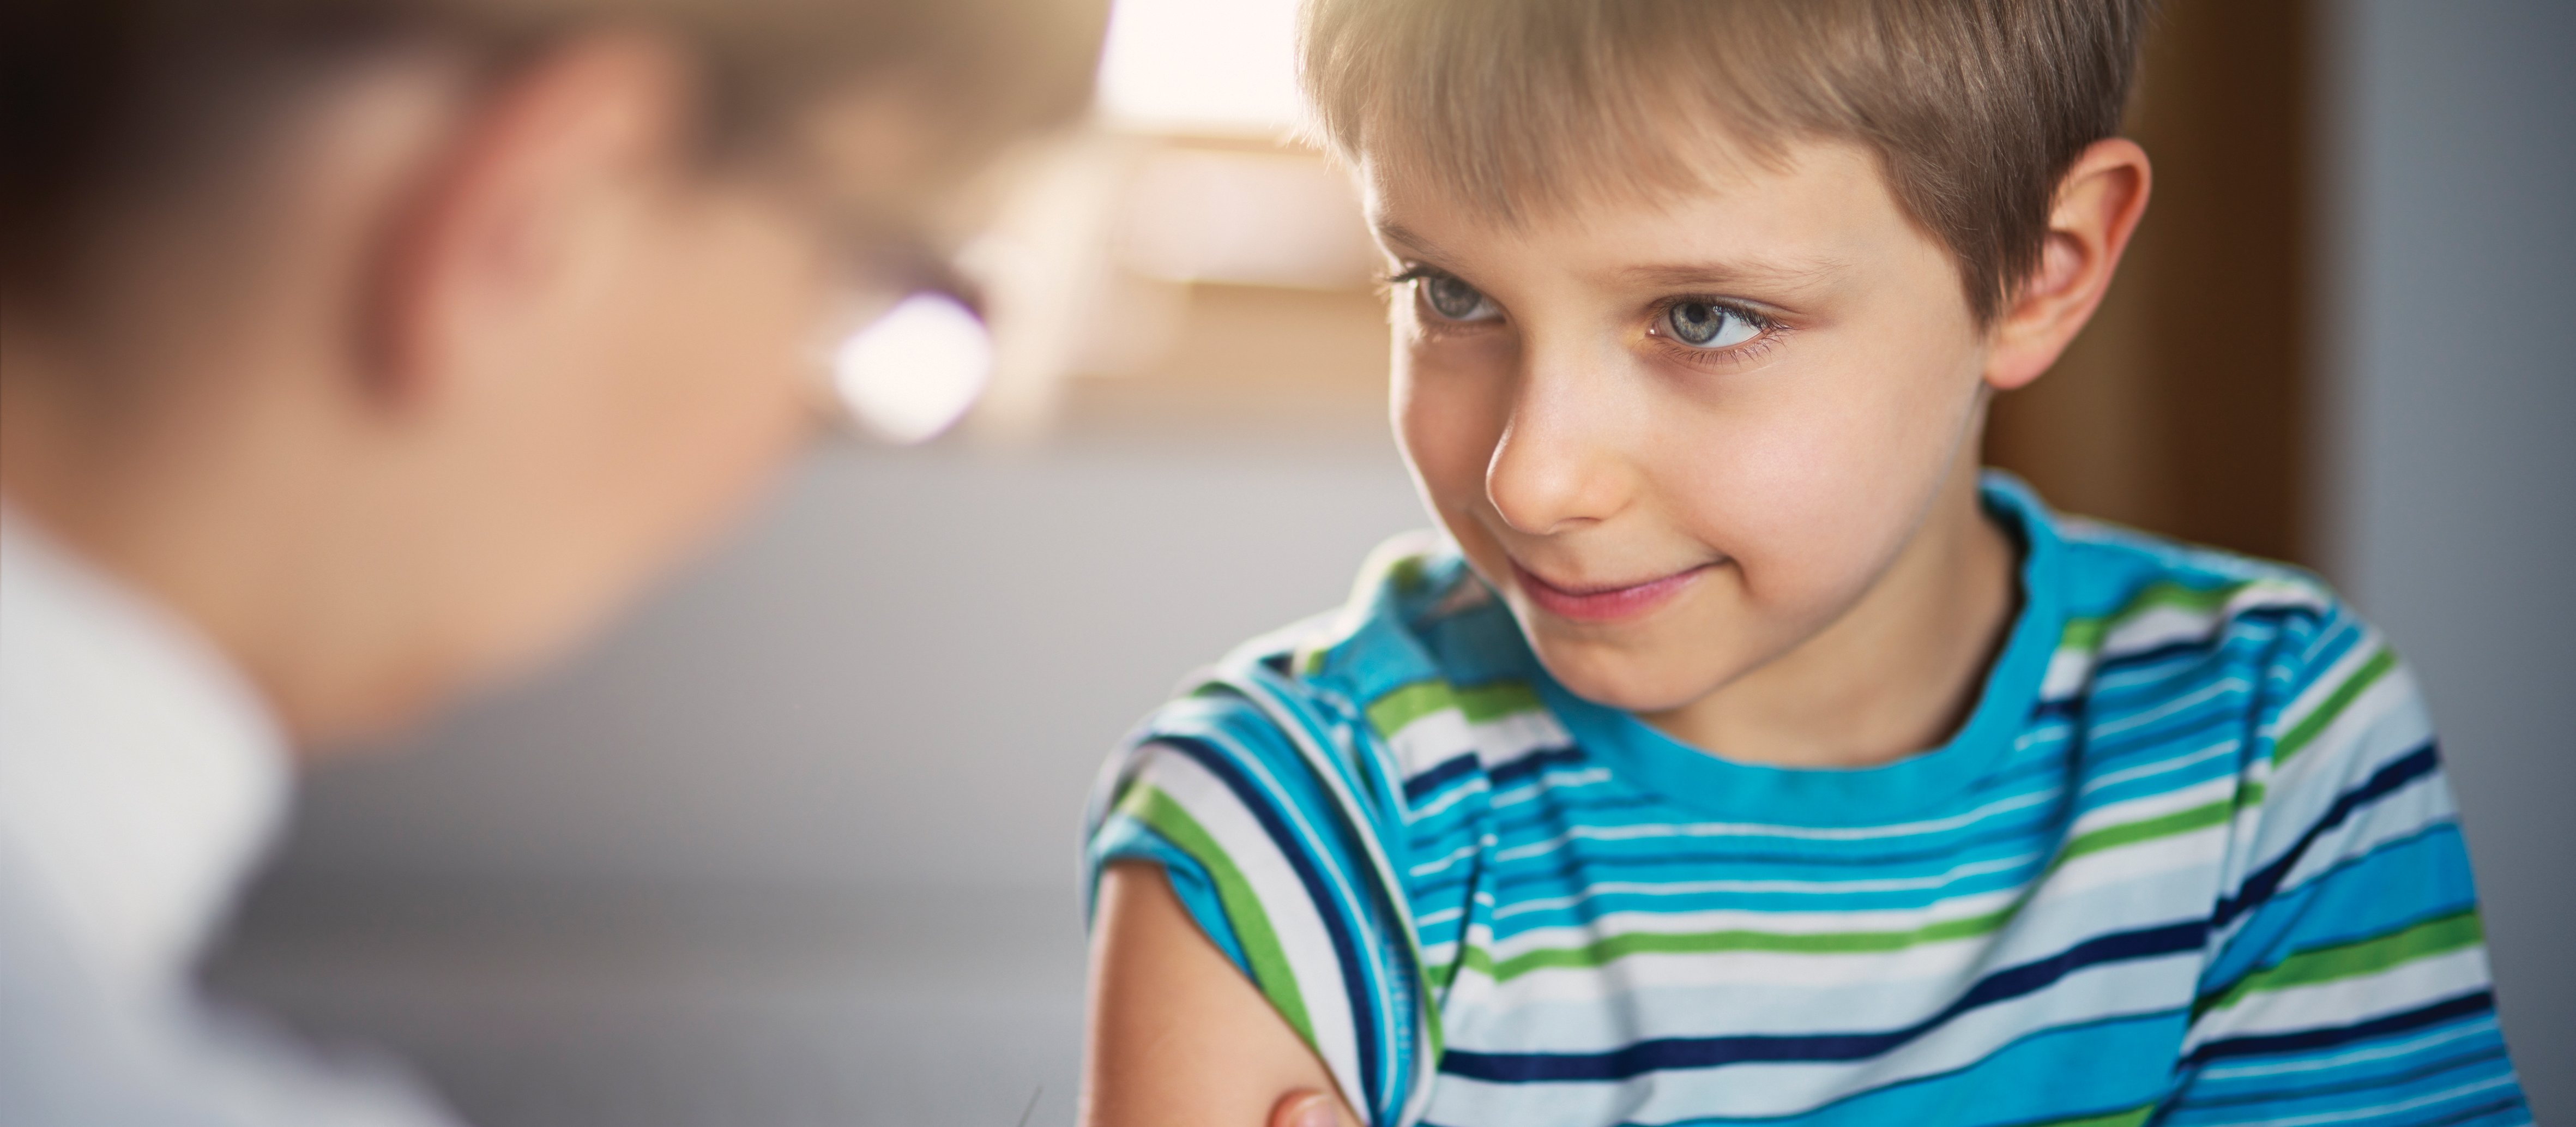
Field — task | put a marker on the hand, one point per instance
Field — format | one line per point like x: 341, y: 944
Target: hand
x: 1307, y: 1109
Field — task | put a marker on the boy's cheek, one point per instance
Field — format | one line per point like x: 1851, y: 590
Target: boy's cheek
x: 1448, y: 438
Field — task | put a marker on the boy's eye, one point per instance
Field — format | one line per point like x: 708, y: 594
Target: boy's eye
x: 1703, y: 324
x: 1454, y: 300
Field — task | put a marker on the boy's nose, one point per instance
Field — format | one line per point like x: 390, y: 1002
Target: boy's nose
x: 1560, y: 463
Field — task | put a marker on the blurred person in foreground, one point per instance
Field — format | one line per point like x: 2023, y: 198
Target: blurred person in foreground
x: 358, y: 353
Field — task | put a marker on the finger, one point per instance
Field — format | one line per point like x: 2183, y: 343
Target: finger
x: 1305, y: 1109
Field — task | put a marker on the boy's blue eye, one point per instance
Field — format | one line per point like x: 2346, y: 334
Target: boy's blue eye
x: 1454, y: 300
x: 1702, y: 324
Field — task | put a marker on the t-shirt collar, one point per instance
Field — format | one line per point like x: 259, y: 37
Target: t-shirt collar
x: 1909, y: 787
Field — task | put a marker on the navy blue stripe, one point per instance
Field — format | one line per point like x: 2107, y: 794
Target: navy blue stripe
x: 2465, y: 1005
x: 1668, y: 1053
x: 1449, y: 769
x: 2258, y: 888
x: 1534, y: 762
x: 1327, y: 907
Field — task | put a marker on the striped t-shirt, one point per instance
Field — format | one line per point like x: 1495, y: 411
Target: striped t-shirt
x: 2191, y: 859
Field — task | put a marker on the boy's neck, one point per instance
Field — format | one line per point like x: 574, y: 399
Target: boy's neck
x: 1897, y: 674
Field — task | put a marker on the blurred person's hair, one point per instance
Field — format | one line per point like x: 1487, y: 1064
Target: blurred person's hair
x: 1973, y: 108
x: 107, y: 106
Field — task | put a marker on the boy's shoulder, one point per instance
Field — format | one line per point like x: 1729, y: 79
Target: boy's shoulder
x: 1420, y: 637
x: 1417, y: 620
x: 2126, y: 593
x: 2159, y: 636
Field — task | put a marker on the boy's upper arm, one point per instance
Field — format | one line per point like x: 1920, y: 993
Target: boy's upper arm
x: 2347, y: 969
x: 1177, y: 1034
x: 1279, y: 870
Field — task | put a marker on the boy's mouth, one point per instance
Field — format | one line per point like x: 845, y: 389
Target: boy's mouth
x: 1609, y: 603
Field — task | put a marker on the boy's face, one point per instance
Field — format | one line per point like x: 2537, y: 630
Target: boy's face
x: 1681, y: 437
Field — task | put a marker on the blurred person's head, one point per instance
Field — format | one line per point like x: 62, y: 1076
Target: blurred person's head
x: 395, y: 342
x: 1702, y: 301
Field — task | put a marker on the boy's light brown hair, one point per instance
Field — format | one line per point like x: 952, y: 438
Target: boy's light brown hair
x: 1974, y: 108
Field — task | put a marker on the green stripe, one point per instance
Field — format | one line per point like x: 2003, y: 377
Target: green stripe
x: 2438, y: 936
x: 2130, y: 1118
x: 1391, y: 712
x: 1602, y: 951
x: 2087, y: 633
x: 1408, y: 574
x: 2146, y: 829
x: 1252, y: 931
x: 2300, y: 736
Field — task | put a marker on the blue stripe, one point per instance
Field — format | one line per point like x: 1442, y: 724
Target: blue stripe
x: 2377, y: 1080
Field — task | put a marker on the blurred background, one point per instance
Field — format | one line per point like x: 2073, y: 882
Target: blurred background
x: 796, y: 844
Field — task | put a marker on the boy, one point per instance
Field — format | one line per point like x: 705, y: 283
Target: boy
x: 360, y: 352
x: 1741, y: 753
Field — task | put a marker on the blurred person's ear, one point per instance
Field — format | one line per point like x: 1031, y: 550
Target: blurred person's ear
x: 505, y: 236
x: 2098, y: 204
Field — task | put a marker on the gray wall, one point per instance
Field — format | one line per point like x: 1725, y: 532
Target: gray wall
x: 2452, y: 294
x: 902, y: 629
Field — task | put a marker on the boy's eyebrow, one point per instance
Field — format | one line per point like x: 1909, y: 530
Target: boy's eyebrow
x: 1794, y: 273
x: 1400, y: 237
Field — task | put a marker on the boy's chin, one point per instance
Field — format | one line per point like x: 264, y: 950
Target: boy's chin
x: 1643, y: 680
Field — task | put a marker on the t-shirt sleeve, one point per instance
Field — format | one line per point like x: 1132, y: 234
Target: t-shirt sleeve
x: 2347, y: 978
x: 1286, y: 873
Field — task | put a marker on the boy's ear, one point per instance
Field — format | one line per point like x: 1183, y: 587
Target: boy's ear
x: 490, y: 244
x: 2098, y: 205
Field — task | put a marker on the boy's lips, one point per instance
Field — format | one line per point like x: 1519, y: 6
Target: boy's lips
x: 1605, y: 603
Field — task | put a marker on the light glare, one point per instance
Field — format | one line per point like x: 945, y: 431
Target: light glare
x: 916, y: 370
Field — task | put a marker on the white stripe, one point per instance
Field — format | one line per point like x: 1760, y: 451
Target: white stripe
x: 2150, y: 806
x: 2214, y: 751
x: 2224, y: 686
x: 1558, y: 779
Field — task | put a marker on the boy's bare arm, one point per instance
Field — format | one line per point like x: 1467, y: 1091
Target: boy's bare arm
x: 1178, y: 1036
